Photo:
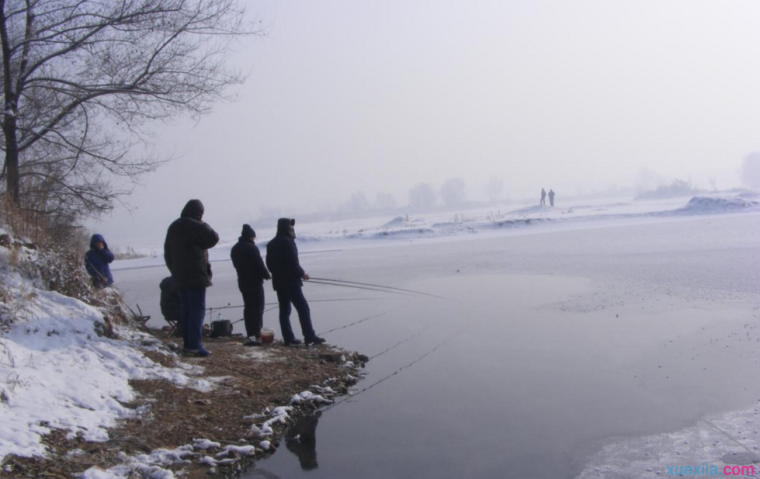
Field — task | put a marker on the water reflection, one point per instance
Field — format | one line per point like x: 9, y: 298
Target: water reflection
x: 301, y: 440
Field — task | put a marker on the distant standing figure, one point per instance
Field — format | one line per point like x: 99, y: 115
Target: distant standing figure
x: 96, y: 262
x: 543, y: 197
x: 170, y: 304
x: 251, y: 271
x: 188, y: 240
x: 287, y: 277
x: 551, y: 197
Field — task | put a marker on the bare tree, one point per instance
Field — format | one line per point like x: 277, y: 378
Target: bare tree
x: 750, y: 172
x: 647, y: 179
x: 422, y: 197
x: 358, y: 203
x: 82, y: 78
x: 385, y: 201
x: 494, y: 189
x: 452, y: 192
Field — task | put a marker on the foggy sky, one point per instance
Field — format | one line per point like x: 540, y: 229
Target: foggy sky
x: 380, y: 95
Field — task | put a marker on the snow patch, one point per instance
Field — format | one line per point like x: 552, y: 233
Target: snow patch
x: 57, y: 373
x: 707, y: 204
x: 150, y: 466
x: 204, y: 444
x: 309, y: 397
x: 711, y: 440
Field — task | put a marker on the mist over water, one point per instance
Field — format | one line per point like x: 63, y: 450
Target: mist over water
x: 352, y: 106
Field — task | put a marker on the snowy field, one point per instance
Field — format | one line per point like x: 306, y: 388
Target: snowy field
x: 617, y: 343
x: 377, y: 231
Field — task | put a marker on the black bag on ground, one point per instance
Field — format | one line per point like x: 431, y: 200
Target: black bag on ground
x: 221, y: 328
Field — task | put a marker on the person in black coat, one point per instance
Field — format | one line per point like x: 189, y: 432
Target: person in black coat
x: 287, y: 277
x: 251, y: 272
x: 186, y: 254
x: 97, y: 261
x: 170, y: 304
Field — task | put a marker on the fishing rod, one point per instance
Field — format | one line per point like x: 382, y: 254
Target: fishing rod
x: 341, y: 327
x: 210, y: 311
x: 326, y: 283
x: 229, y: 306
x: 310, y: 301
x: 378, y: 286
x: 265, y: 311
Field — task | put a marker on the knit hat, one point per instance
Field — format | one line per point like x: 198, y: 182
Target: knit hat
x: 248, y: 232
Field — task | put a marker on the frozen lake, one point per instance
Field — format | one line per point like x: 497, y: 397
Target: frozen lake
x: 560, y: 353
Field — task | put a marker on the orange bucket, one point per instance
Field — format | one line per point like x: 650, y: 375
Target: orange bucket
x: 267, y: 336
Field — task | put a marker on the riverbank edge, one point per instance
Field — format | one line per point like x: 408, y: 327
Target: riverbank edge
x: 255, y: 394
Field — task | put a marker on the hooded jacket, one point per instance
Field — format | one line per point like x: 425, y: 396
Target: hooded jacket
x: 246, y: 258
x: 282, y: 255
x: 96, y: 262
x: 186, y: 248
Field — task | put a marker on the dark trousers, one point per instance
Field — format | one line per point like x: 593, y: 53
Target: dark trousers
x: 253, y: 310
x: 192, y: 306
x: 292, y: 293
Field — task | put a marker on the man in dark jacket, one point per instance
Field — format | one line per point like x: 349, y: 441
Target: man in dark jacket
x: 251, y: 272
x: 170, y: 304
x: 287, y: 276
x: 96, y: 262
x: 186, y: 254
x: 551, y: 197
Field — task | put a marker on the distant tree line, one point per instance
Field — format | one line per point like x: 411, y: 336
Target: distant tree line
x: 422, y: 197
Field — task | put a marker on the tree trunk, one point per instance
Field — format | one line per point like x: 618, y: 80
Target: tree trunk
x: 9, y: 116
x: 11, y: 159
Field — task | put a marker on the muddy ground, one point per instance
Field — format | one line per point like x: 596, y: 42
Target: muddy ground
x: 248, y: 380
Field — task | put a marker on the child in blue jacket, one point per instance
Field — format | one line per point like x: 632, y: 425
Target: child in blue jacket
x: 97, y: 260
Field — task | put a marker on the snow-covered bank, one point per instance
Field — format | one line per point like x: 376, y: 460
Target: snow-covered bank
x: 567, y: 217
x: 83, y: 393
x: 57, y: 370
x: 374, y: 231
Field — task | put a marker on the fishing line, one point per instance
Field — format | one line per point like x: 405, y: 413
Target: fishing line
x: 347, y: 299
x: 399, y: 343
x: 378, y: 286
x: 394, y: 373
x: 310, y: 301
x: 363, y: 320
x: 276, y: 305
x: 265, y: 311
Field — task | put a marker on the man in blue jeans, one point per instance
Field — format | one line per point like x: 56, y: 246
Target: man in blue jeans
x: 186, y: 254
x: 287, y: 280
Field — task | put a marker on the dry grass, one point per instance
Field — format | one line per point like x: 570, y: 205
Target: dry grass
x: 177, y: 416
